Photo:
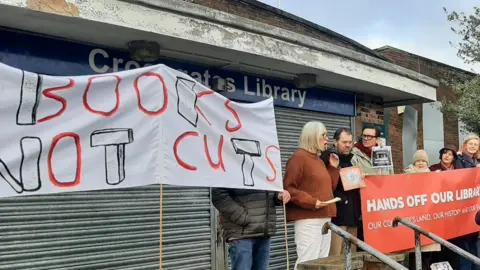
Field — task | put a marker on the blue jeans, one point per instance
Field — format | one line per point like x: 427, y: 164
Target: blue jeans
x: 249, y: 254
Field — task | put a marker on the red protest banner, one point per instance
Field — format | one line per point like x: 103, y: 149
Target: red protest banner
x: 444, y: 203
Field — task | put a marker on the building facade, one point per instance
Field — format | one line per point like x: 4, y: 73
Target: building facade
x: 259, y: 51
x: 422, y: 126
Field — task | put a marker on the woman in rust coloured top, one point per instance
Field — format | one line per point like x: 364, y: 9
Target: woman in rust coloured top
x: 310, y: 184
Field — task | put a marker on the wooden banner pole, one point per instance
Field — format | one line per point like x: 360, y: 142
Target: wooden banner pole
x: 161, y: 226
x: 286, y: 234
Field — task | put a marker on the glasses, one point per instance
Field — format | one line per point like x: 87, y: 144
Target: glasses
x: 368, y: 137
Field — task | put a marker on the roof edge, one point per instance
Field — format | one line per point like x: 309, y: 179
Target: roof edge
x: 187, y: 8
x: 388, y: 47
x: 315, y: 26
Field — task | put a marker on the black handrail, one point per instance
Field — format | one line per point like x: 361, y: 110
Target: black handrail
x: 418, y: 247
x: 349, y: 239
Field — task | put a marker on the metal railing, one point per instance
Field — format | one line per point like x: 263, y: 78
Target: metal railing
x: 348, y: 239
x: 418, y: 247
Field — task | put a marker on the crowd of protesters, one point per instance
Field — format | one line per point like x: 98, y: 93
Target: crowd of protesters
x: 311, y: 179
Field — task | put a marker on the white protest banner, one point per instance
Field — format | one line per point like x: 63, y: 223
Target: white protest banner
x: 153, y: 125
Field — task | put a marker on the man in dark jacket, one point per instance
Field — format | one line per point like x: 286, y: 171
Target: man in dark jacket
x: 249, y: 220
x: 349, y: 208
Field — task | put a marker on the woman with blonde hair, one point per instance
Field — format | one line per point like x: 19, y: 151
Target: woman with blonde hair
x: 468, y: 158
x: 470, y: 155
x: 311, y: 183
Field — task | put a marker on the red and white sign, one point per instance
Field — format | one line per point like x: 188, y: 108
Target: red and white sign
x: 153, y: 125
x: 443, y: 203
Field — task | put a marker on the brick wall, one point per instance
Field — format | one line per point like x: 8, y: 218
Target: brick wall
x: 278, y: 18
x: 395, y: 134
x: 434, y: 70
x: 370, y: 110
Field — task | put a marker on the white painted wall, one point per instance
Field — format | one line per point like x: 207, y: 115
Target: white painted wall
x: 409, y: 134
x: 433, y: 130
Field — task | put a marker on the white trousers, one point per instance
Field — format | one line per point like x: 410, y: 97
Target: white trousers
x: 311, y: 244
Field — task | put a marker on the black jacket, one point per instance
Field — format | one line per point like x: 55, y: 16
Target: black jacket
x: 349, y: 208
x: 246, y: 213
x: 464, y: 161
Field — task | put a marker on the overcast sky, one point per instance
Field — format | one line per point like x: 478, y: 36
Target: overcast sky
x: 416, y: 26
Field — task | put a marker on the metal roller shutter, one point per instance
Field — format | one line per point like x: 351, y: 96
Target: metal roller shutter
x: 111, y: 229
x: 289, y: 126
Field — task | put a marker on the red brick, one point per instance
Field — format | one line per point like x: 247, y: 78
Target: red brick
x: 245, y: 10
x: 433, y: 70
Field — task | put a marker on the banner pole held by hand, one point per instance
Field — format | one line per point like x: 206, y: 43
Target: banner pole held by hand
x: 286, y: 233
x: 161, y: 226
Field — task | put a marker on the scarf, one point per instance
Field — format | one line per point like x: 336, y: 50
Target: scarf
x: 452, y: 166
x: 363, y: 149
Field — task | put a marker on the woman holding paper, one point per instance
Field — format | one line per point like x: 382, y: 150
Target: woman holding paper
x: 362, y: 157
x: 362, y: 151
x: 311, y: 184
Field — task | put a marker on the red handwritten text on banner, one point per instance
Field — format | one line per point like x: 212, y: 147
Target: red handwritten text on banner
x: 153, y: 125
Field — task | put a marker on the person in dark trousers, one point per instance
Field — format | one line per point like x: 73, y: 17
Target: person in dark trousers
x: 468, y: 158
x: 448, y: 157
x: 248, y: 221
x: 349, y: 208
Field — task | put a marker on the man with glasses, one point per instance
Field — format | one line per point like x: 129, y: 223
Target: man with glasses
x: 362, y: 157
x: 362, y: 152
